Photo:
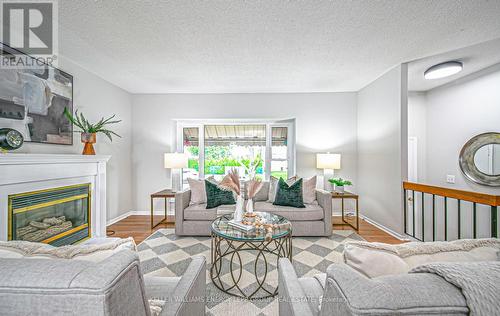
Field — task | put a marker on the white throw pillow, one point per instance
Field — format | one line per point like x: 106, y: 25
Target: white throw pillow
x: 377, y: 259
x: 309, y: 190
x: 374, y: 263
x: 198, y: 193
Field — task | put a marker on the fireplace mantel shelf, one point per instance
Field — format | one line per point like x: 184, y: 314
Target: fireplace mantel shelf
x: 19, y: 159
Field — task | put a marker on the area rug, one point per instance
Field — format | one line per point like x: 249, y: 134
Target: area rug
x: 165, y: 254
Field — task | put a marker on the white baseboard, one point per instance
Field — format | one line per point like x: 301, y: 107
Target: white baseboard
x: 125, y: 215
x: 385, y: 229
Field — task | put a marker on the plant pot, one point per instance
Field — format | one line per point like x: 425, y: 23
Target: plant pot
x: 89, y: 139
x: 339, y: 188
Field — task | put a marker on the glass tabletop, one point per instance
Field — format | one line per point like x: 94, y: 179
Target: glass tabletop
x: 221, y: 227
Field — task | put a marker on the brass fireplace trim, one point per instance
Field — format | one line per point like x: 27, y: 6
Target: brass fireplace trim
x: 24, y: 209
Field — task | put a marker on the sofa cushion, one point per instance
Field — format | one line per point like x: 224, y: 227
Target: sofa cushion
x: 199, y: 212
x: 160, y: 287
x: 309, y: 190
x: 289, y: 195
x: 377, y: 259
x: 198, y: 194
x: 217, y: 196
x: 273, y: 187
x: 311, y: 212
x: 263, y: 193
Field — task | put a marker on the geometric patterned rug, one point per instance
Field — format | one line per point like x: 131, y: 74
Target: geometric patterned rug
x: 165, y: 254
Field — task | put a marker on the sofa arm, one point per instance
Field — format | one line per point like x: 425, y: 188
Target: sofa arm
x: 181, y: 202
x: 189, y: 293
x: 291, y: 297
x: 348, y: 292
x: 324, y: 199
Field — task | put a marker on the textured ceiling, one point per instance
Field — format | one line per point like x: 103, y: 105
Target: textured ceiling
x: 474, y: 59
x: 192, y: 46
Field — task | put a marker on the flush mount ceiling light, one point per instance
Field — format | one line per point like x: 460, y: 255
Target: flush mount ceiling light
x: 443, y: 70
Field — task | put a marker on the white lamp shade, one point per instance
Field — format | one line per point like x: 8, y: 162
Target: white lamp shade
x: 176, y: 160
x: 328, y: 161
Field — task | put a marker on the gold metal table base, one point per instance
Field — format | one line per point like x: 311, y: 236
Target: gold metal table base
x: 225, y: 248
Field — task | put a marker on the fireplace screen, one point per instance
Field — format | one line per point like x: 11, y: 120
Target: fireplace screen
x: 58, y: 216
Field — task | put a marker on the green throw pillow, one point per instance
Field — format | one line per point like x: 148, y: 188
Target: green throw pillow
x: 289, y: 195
x: 217, y: 196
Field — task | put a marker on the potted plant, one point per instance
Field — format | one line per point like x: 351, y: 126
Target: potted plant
x: 89, y: 130
x: 339, y: 184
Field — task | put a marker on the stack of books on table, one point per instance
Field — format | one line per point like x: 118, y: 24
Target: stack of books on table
x: 241, y: 226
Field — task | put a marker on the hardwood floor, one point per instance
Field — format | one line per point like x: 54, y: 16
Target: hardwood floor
x: 138, y: 227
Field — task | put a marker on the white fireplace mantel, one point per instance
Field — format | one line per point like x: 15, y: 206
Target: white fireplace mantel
x: 30, y: 172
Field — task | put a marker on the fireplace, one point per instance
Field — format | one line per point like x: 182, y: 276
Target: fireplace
x: 56, y: 216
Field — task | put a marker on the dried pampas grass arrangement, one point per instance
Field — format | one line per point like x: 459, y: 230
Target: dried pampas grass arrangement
x: 231, y: 182
x: 253, y: 186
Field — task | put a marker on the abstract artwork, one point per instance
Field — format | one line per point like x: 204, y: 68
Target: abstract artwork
x: 32, y: 101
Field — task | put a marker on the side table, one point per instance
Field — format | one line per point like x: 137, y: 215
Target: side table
x: 348, y: 195
x: 163, y: 194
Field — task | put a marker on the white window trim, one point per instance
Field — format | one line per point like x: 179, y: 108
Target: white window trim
x: 200, y: 124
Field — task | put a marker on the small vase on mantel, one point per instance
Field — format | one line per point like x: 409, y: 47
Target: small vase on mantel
x: 88, y: 139
x: 238, y: 212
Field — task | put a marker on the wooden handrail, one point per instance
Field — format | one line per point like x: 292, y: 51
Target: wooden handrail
x: 476, y: 197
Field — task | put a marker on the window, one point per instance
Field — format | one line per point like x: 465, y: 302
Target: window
x: 190, y: 143
x: 235, y: 146
x: 259, y: 149
x: 279, y: 152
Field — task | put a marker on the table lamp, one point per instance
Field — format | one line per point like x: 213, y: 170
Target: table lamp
x: 328, y: 162
x: 176, y: 161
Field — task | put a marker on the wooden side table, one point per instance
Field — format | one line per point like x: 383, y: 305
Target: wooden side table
x: 348, y: 195
x: 163, y: 194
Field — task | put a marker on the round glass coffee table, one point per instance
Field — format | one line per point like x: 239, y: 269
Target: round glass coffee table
x: 241, y: 260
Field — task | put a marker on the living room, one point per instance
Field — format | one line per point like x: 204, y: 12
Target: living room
x: 267, y: 158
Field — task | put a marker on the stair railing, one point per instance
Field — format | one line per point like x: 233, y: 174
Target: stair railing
x: 419, y: 231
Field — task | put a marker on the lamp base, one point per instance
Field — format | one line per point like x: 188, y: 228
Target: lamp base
x: 327, y: 174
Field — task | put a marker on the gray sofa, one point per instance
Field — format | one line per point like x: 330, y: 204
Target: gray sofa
x: 345, y: 291
x: 114, y: 286
x: 313, y: 220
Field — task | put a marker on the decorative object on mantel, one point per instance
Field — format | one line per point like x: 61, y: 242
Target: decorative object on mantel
x: 10, y: 139
x: 89, y: 130
x: 339, y: 184
x: 328, y: 162
x: 253, y: 186
x: 231, y: 182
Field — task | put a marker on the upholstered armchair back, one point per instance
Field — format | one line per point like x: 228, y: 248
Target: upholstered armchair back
x: 114, y: 286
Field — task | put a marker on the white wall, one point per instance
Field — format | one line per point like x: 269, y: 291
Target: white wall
x: 324, y: 122
x: 382, y: 147
x: 447, y: 117
x: 455, y: 113
x: 417, y: 127
x: 96, y: 97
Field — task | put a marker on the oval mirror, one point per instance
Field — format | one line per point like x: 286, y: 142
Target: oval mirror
x: 487, y: 159
x: 480, y: 159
